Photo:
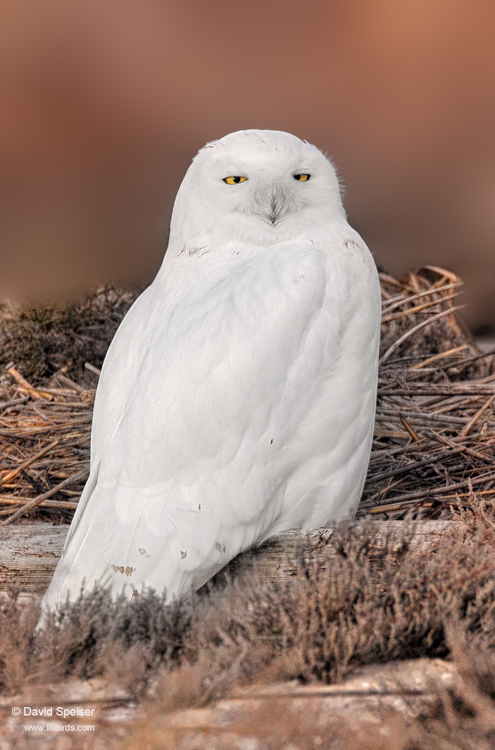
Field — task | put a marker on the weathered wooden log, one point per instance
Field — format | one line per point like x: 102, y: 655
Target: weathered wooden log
x: 29, y: 552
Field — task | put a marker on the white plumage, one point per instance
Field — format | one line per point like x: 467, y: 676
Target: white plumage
x: 237, y: 398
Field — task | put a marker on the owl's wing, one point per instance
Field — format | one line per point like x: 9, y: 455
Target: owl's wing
x: 198, y: 417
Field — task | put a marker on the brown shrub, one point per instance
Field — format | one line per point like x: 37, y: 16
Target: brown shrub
x: 43, y: 340
x: 358, y: 608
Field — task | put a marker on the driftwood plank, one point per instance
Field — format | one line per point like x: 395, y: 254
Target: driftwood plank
x: 29, y: 552
x: 275, y: 560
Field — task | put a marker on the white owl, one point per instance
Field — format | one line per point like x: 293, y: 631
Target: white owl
x: 237, y: 398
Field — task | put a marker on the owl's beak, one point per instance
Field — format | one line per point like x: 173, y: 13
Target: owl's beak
x: 275, y: 210
x: 272, y: 203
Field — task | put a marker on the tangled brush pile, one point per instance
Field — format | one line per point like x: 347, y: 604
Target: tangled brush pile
x: 435, y: 425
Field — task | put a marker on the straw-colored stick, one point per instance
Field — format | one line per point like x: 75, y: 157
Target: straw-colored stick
x: 37, y: 500
x: 28, y: 462
x: 478, y: 414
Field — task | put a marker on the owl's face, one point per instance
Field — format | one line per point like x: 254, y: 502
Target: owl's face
x: 259, y: 185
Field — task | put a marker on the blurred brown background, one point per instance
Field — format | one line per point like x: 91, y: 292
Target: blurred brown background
x: 104, y: 103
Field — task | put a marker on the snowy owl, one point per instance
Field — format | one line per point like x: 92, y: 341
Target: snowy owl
x: 237, y: 398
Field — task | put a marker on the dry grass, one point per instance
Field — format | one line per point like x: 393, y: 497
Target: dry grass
x: 461, y: 718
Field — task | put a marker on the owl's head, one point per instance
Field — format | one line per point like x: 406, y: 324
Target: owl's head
x: 261, y: 186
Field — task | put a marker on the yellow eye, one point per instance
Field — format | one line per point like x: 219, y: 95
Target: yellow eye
x: 234, y: 180
x: 302, y: 177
